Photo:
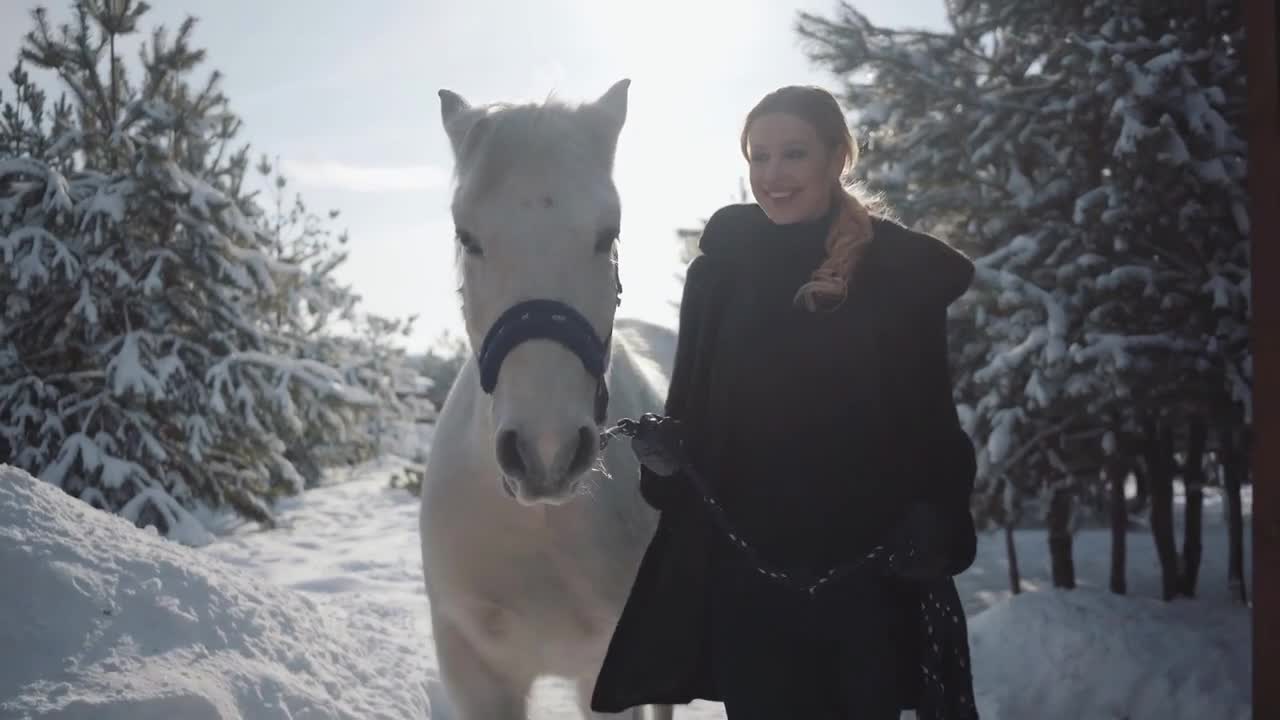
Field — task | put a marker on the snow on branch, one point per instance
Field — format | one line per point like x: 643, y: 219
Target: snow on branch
x: 1120, y: 348
x: 322, y: 378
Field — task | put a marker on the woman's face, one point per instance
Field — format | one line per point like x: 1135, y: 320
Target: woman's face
x: 793, y: 172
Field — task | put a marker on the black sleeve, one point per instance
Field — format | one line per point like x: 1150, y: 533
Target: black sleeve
x: 949, y: 463
x: 660, y: 491
x: 936, y: 456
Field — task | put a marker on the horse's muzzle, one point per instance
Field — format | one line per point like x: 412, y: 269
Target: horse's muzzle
x: 546, y: 471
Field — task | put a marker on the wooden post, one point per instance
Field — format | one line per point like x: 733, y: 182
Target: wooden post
x: 1262, y: 26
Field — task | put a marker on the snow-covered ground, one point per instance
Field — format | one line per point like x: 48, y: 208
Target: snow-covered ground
x: 101, y: 620
x: 1091, y: 654
x: 325, y: 617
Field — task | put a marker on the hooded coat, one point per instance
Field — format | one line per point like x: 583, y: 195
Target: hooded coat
x: 823, y: 435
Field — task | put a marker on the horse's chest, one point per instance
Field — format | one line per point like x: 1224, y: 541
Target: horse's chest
x: 536, y: 607
x: 509, y: 577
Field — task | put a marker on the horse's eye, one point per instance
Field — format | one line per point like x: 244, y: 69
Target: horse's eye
x: 605, y: 239
x: 468, y: 242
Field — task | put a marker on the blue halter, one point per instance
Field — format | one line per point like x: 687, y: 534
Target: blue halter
x: 546, y: 320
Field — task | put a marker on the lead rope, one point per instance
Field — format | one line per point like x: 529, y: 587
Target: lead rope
x: 801, y: 582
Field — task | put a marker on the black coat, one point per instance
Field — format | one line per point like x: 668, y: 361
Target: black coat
x: 910, y: 439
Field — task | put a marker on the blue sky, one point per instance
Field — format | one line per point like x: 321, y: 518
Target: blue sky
x: 344, y: 94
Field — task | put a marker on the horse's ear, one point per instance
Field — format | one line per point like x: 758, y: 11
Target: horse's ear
x: 456, y: 115
x: 613, y: 104
x: 607, y: 115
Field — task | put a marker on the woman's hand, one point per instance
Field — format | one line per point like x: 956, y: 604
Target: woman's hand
x: 658, y: 444
x: 924, y: 530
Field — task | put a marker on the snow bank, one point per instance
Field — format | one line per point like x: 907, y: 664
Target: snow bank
x: 326, y: 618
x: 103, y: 620
x: 1089, y: 654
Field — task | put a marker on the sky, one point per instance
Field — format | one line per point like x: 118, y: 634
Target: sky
x: 345, y: 95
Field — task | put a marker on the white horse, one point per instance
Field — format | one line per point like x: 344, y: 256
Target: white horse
x: 530, y: 541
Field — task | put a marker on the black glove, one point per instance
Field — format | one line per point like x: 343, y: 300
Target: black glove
x: 920, y: 544
x: 658, y: 444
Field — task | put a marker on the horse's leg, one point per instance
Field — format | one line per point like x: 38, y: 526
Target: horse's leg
x: 585, y: 686
x: 662, y: 712
x: 476, y: 690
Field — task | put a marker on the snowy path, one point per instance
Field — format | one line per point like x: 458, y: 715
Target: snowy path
x: 355, y: 543
x: 325, y: 617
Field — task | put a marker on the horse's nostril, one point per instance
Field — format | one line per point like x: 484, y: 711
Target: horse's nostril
x: 509, y: 457
x: 585, y: 453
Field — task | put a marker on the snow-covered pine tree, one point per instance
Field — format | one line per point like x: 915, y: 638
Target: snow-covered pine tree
x: 382, y: 367
x: 323, y: 323
x: 961, y: 141
x: 1173, y: 197
x: 143, y: 367
x: 1016, y: 136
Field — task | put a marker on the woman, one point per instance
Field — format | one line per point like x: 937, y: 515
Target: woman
x: 813, y: 397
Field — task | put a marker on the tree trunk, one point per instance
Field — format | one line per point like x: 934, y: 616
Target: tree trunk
x: 1116, y: 474
x: 1064, y: 571
x: 1160, y: 482
x: 1233, y: 469
x: 1193, y: 479
x: 1141, y: 496
x: 1015, y: 578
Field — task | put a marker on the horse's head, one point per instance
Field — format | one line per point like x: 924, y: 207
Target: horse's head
x: 537, y: 218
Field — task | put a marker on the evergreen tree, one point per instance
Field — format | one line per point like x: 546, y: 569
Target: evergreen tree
x: 961, y: 141
x: 1088, y: 155
x: 148, y: 359
x: 323, y: 322
x: 1173, y: 79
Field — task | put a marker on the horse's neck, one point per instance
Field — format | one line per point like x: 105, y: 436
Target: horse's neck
x: 631, y: 392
